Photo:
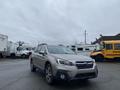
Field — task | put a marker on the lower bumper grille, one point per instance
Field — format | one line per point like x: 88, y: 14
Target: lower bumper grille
x: 85, y: 75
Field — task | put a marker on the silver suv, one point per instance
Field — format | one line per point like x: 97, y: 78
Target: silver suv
x: 59, y: 62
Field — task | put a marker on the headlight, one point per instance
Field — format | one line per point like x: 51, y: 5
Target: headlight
x: 64, y: 62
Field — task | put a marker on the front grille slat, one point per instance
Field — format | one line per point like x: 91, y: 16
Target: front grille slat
x: 84, y: 64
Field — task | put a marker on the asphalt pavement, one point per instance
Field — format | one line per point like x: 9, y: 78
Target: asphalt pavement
x: 15, y: 75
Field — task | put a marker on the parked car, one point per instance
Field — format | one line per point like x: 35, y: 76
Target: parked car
x: 59, y: 62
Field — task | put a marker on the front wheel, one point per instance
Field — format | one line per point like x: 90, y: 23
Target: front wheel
x: 23, y: 56
x: 32, y: 67
x: 49, y: 74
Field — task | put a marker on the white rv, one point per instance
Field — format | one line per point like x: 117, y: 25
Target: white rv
x: 3, y: 45
x: 84, y: 49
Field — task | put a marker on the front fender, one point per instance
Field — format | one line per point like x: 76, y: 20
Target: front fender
x: 95, y: 54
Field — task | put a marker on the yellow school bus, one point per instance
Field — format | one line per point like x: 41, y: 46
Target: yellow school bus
x: 108, y: 50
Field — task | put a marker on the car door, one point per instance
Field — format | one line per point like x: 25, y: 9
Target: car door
x: 36, y: 56
x: 42, y: 58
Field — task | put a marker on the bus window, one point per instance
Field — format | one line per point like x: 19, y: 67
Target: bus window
x: 109, y: 46
x: 117, y: 46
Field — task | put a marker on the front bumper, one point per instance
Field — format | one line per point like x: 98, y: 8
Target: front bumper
x: 73, y: 73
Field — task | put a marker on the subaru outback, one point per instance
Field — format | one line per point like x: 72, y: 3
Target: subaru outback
x: 60, y: 62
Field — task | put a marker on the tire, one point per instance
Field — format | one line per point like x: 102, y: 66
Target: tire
x: 23, y: 56
x: 1, y: 56
x: 12, y: 55
x: 99, y: 58
x: 117, y: 59
x: 49, y: 74
x: 32, y: 67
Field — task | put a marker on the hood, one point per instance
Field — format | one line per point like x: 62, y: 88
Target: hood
x: 73, y: 57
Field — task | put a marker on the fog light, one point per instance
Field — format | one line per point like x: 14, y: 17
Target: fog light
x: 62, y: 76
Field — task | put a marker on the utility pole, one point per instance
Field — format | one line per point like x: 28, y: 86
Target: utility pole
x: 85, y: 37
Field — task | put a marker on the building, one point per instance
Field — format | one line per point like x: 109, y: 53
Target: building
x: 106, y: 38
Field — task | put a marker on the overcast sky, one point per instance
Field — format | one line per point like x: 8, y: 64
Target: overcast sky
x: 58, y: 21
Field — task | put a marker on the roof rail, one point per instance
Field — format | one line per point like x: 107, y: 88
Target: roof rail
x: 42, y: 44
x: 60, y: 45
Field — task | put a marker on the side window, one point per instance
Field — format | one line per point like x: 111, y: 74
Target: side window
x: 117, y: 46
x: 80, y: 49
x: 87, y: 49
x: 38, y: 49
x: 43, y: 49
x: 103, y: 46
x: 73, y: 48
x: 109, y: 46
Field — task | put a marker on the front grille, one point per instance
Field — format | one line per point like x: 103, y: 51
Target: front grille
x: 84, y: 64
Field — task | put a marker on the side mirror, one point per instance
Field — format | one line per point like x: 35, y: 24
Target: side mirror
x: 42, y: 53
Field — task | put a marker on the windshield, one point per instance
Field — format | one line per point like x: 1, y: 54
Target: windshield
x: 59, y: 50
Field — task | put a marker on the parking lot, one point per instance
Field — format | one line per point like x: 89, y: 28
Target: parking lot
x: 15, y: 75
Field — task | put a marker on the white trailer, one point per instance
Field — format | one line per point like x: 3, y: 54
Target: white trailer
x: 3, y: 45
x: 14, y: 50
x: 84, y: 49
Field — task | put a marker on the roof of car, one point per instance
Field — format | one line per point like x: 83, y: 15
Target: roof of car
x: 42, y: 44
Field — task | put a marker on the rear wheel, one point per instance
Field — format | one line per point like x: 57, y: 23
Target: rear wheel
x: 49, y: 74
x: 99, y: 58
x: 117, y: 59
